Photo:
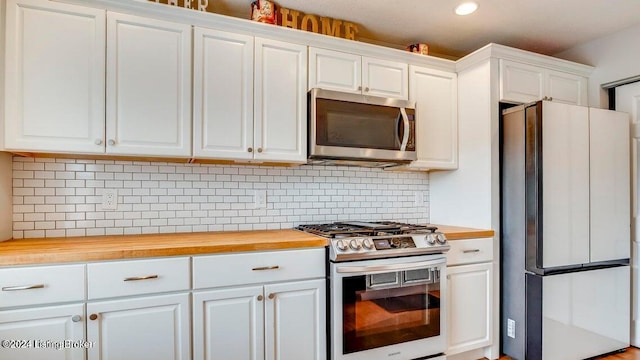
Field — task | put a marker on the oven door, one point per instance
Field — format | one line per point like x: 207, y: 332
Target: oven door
x: 388, y: 308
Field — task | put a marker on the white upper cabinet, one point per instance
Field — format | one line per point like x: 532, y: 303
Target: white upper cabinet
x: 524, y: 83
x: 54, y: 77
x: 385, y: 78
x: 148, y: 86
x: 435, y: 94
x: 566, y: 88
x: 280, y: 101
x: 334, y: 70
x: 249, y: 98
x: 223, y: 94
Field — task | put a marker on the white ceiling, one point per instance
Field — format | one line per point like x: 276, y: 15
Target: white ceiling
x: 543, y: 26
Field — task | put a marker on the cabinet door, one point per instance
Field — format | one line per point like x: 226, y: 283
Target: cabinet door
x: 609, y: 185
x: 280, y: 110
x: 295, y: 320
x: 55, y: 59
x: 566, y: 88
x: 334, y: 70
x: 385, y: 78
x: 140, y: 328
x: 223, y: 95
x: 37, y: 326
x: 229, y: 324
x: 470, y: 294
x: 565, y: 184
x: 520, y: 83
x: 148, y: 86
x: 435, y: 94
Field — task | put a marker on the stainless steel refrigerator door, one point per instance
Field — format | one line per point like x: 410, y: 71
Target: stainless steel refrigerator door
x: 609, y: 185
x: 563, y: 173
x: 585, y: 313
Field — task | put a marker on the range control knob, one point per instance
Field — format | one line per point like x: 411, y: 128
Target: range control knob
x: 342, y: 245
x: 441, y: 239
x: 431, y: 239
x: 368, y: 244
x: 355, y: 244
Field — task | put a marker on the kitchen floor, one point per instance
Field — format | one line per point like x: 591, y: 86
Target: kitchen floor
x: 632, y: 353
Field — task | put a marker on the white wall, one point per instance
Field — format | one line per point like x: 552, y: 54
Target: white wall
x: 5, y: 196
x: 62, y: 197
x: 615, y: 57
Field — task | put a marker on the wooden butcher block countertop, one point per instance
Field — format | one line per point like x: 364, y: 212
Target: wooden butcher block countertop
x: 95, y: 248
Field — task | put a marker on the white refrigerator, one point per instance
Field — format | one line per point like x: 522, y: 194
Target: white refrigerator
x: 565, y: 237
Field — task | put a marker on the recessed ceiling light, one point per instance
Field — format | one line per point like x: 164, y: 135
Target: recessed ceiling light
x: 466, y: 8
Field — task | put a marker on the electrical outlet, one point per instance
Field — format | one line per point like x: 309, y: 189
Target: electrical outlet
x: 109, y: 199
x: 260, y: 199
x: 511, y: 328
x: 418, y: 199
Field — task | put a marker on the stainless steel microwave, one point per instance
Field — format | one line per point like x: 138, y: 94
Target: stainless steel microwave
x: 356, y: 129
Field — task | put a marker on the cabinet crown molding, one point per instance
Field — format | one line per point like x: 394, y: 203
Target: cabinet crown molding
x: 504, y: 52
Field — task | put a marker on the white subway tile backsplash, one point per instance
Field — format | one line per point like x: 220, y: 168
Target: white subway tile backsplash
x: 63, y: 197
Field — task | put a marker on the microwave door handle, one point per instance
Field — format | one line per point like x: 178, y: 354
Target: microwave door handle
x: 405, y: 122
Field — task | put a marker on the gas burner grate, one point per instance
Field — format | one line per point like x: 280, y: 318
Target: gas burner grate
x: 361, y: 228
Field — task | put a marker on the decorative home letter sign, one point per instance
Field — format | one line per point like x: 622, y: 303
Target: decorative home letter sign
x: 201, y: 5
x: 322, y: 25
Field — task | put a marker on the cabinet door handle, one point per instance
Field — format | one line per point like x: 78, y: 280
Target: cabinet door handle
x: 366, y: 89
x: 111, y: 142
x: 76, y: 318
x: 137, y: 278
x: 250, y: 149
x: 272, y: 296
x: 98, y: 141
x: 23, y: 287
x: 260, y: 297
x: 359, y: 88
x: 259, y: 149
x: 471, y: 251
x: 261, y: 268
x: 266, y: 268
x: 93, y: 316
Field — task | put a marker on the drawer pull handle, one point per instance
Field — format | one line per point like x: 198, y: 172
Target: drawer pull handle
x: 23, y: 287
x: 471, y: 251
x: 137, y: 278
x: 266, y: 268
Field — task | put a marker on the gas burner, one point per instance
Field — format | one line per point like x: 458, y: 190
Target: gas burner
x: 356, y: 240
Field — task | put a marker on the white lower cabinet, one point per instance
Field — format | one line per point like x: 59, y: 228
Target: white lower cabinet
x: 278, y: 314
x: 41, y: 332
x: 41, y: 307
x: 470, y: 287
x: 153, y: 328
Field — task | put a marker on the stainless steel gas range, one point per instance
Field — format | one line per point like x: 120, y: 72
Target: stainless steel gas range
x: 387, y: 300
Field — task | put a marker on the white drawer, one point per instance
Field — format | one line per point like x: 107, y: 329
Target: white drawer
x: 470, y: 251
x: 135, y: 277
x: 257, y: 267
x: 41, y: 285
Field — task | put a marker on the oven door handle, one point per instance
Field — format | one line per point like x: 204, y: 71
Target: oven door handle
x: 391, y: 267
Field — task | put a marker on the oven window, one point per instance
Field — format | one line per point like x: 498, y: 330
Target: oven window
x: 390, y: 308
